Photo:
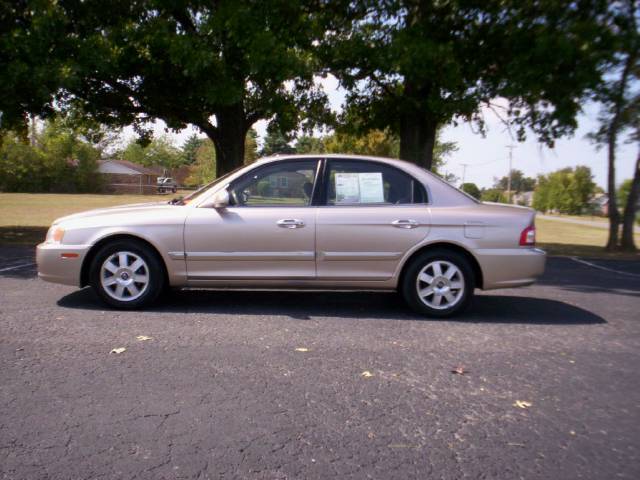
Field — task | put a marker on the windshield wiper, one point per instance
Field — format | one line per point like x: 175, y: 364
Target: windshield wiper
x: 176, y: 201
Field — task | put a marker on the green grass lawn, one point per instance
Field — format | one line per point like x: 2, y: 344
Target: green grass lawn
x: 560, y: 238
x: 24, y: 218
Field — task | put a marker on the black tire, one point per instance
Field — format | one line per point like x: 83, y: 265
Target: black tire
x: 174, y: 190
x: 462, y: 297
x: 152, y: 268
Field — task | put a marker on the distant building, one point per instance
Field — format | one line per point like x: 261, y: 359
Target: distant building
x: 599, y: 205
x: 522, y: 198
x: 121, y: 176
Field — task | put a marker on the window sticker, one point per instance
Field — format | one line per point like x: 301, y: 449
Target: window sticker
x: 359, y: 188
x: 347, y: 188
x: 371, y: 188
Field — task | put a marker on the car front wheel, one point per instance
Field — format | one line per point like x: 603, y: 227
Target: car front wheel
x: 438, y: 284
x: 126, y: 274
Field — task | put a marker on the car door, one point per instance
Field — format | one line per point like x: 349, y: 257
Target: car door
x: 371, y: 215
x: 266, y: 233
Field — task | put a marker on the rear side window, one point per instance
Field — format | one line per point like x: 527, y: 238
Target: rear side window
x: 354, y: 182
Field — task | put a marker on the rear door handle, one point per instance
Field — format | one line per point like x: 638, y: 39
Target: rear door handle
x: 290, y: 223
x: 405, y: 223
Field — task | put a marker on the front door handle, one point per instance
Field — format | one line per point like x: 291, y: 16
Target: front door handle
x: 290, y: 223
x: 405, y: 223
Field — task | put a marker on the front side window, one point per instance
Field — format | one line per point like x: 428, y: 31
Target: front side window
x: 365, y: 183
x: 281, y: 184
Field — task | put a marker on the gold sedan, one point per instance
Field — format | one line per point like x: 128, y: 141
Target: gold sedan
x: 331, y: 222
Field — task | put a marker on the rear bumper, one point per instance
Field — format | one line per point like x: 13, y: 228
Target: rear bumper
x: 59, y: 263
x: 510, y: 267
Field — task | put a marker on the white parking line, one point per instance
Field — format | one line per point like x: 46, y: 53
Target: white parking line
x: 584, y: 262
x: 16, y: 267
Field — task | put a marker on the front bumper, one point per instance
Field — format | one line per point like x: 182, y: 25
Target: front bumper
x: 61, y: 263
x: 510, y: 267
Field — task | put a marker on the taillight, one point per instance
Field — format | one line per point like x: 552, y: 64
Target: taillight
x: 528, y: 236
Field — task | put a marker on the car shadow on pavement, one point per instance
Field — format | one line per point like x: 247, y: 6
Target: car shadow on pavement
x: 351, y: 305
x: 598, y: 276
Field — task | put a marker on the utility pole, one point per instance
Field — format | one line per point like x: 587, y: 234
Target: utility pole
x: 464, y: 171
x: 510, y: 147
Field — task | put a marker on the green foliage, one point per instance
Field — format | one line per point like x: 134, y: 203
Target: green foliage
x: 22, y: 168
x: 275, y: 142
x: 519, y: 183
x: 160, y: 151
x: 309, y: 144
x: 619, y: 93
x: 251, y: 147
x: 624, y: 190
x: 32, y: 62
x: 379, y: 143
x: 60, y: 161
x: 413, y: 66
x: 203, y: 170
x: 568, y: 191
x: 493, y: 195
x: 220, y: 66
x: 472, y: 189
x: 190, y: 148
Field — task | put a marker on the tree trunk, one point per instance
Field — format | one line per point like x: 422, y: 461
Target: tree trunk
x: 629, y: 218
x: 614, y: 215
x: 228, y: 138
x: 417, y: 139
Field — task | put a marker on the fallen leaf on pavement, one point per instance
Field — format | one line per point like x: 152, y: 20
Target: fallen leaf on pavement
x: 142, y: 338
x: 459, y: 370
x: 367, y: 374
x: 302, y: 349
x: 522, y: 404
x: 118, y: 350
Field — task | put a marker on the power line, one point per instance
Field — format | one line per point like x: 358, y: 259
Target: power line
x: 472, y: 165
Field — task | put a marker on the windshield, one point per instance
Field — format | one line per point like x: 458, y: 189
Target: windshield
x: 189, y: 198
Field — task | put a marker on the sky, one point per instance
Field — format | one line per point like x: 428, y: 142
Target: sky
x: 488, y: 157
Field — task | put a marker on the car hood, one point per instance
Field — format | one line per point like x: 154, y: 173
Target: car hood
x: 135, y: 209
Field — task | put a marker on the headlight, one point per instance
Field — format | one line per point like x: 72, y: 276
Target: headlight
x: 55, y: 234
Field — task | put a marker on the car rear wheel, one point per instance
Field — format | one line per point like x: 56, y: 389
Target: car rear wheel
x: 126, y: 274
x: 438, y: 284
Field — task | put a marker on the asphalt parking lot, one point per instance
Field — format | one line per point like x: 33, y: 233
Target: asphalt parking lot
x: 276, y: 385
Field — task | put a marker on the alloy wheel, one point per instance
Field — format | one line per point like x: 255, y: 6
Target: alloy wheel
x: 440, y: 285
x: 124, y: 276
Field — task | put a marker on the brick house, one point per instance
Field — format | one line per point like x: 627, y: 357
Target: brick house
x: 120, y: 176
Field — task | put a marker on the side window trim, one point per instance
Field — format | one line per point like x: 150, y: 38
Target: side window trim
x: 318, y: 184
x: 324, y: 198
x: 259, y: 169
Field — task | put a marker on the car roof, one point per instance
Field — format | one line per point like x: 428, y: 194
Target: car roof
x: 303, y: 156
x: 402, y: 164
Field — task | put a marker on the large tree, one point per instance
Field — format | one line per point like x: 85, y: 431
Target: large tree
x: 620, y: 107
x: 381, y: 143
x: 414, y: 65
x: 220, y: 66
x: 31, y: 61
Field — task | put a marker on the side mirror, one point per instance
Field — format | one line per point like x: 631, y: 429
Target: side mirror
x: 220, y: 199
